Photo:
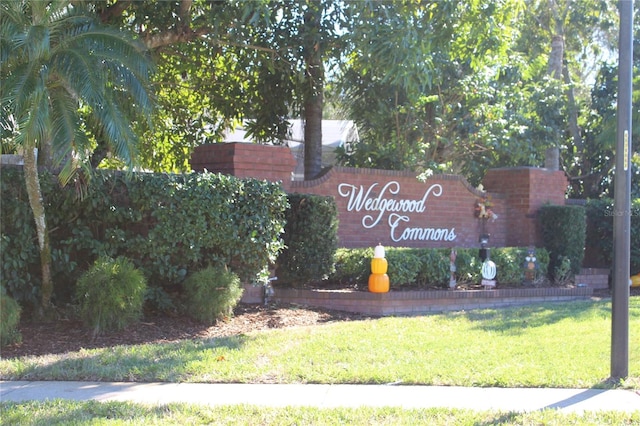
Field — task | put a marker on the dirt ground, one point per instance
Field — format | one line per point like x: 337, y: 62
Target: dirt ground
x: 66, y: 335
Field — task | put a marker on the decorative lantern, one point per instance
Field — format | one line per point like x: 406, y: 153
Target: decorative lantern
x: 378, y: 280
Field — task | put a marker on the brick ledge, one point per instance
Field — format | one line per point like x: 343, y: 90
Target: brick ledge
x: 426, y: 301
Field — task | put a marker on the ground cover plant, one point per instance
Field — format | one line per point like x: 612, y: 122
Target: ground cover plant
x: 536, y: 345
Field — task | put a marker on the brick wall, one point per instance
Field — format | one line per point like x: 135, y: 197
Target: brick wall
x: 448, y: 200
x: 244, y: 160
x: 525, y: 190
x: 427, y: 301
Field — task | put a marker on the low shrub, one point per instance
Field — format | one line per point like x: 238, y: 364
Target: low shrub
x: 468, y: 265
x: 352, y: 267
x: 168, y: 225
x: 110, y: 294
x: 435, y: 267
x: 404, y: 266
x: 211, y: 294
x: 310, y: 239
x: 509, y: 264
x: 564, y: 235
x: 9, y: 320
x: 600, y: 217
x: 431, y: 267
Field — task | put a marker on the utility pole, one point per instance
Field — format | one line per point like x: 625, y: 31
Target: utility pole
x: 622, y: 200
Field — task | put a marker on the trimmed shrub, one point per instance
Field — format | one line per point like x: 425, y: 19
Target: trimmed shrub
x: 352, y: 267
x: 468, y: 265
x: 310, y: 239
x: 600, y: 215
x: 563, y: 234
x: 110, y: 294
x: 404, y: 266
x: 434, y: 267
x: 168, y: 225
x: 211, y: 294
x: 509, y: 264
x: 431, y: 267
x: 9, y: 320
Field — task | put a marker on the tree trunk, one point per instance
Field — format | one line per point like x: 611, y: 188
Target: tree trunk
x: 574, y: 128
x: 556, y: 58
x: 313, y: 135
x: 313, y: 95
x: 34, y: 193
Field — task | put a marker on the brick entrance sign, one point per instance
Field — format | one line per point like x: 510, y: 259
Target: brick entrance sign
x: 395, y: 208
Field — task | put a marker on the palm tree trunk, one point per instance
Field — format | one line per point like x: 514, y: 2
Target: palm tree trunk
x: 34, y: 193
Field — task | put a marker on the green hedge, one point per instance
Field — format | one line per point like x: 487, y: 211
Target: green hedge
x: 600, y: 215
x: 563, y: 234
x: 168, y: 225
x: 425, y: 268
x: 310, y: 238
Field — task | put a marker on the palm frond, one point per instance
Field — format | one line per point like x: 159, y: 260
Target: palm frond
x: 33, y: 125
x: 56, y: 58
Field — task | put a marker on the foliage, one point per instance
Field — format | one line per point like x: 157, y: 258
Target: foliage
x: 404, y: 266
x: 351, y: 267
x: 310, y: 238
x: 435, y: 267
x: 600, y: 217
x: 509, y: 264
x: 431, y: 267
x: 65, y: 76
x: 168, y: 225
x: 564, y: 234
x: 211, y: 294
x: 110, y: 294
x: 17, y: 234
x: 406, y: 80
x: 9, y: 319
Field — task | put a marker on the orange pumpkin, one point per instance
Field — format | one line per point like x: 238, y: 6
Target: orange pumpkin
x: 378, y: 283
x: 635, y: 280
x: 378, y: 265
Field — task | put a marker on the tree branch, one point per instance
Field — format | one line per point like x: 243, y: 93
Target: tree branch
x: 115, y: 10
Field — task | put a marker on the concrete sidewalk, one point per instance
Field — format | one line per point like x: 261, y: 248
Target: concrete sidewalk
x: 329, y: 396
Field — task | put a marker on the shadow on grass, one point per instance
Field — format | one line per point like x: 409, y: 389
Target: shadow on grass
x: 517, y: 321
x: 164, y: 362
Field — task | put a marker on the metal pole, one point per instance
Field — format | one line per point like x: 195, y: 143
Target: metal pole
x: 622, y: 200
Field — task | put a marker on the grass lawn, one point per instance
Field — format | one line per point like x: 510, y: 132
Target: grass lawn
x: 122, y: 413
x: 543, y: 345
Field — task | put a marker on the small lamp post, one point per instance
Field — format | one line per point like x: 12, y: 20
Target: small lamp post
x: 484, y: 249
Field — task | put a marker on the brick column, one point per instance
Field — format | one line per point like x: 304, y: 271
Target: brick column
x: 246, y: 160
x: 525, y: 190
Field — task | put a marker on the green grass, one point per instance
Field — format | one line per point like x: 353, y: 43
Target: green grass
x: 122, y: 413
x: 544, y: 345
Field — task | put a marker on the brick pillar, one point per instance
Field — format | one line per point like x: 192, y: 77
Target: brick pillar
x: 525, y: 190
x: 246, y: 160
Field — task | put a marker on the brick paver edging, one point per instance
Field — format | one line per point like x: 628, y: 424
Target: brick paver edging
x: 426, y: 301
